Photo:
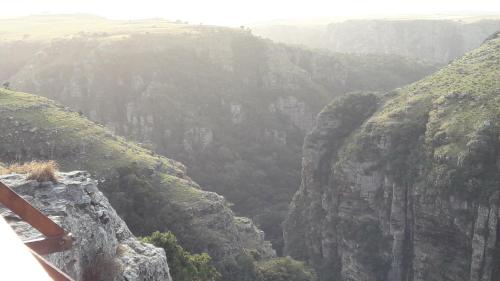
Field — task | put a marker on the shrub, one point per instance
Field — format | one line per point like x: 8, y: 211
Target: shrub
x: 184, y: 266
x: 36, y: 170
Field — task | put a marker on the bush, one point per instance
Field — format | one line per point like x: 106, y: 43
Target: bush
x: 36, y: 170
x: 184, y: 266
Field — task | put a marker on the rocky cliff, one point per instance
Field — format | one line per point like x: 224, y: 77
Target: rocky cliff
x: 150, y: 192
x: 104, y: 247
x: 405, y: 186
x: 437, y: 40
x: 232, y: 107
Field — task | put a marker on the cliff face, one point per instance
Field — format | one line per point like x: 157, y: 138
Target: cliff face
x: 410, y: 192
x: 232, y: 107
x: 148, y: 191
x: 104, y: 248
x: 432, y: 40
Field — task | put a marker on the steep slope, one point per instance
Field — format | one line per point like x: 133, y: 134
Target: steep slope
x: 148, y: 191
x: 104, y: 247
x: 232, y: 107
x: 410, y: 192
x: 437, y: 40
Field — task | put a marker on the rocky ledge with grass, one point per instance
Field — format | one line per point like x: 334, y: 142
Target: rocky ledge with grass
x: 104, y: 248
x: 149, y: 192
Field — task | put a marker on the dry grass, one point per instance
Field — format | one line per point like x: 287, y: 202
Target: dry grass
x: 36, y: 170
x: 3, y: 170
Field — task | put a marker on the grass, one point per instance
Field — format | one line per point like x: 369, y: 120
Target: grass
x: 94, y: 148
x: 3, y: 170
x: 75, y: 130
x: 439, y: 115
x: 474, y: 78
x: 41, y: 28
x: 18, y: 100
x: 40, y: 171
x: 180, y: 190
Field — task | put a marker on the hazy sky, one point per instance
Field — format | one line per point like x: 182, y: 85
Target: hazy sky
x: 236, y: 12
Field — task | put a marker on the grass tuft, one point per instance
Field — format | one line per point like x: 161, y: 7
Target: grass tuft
x: 36, y: 170
x: 3, y: 170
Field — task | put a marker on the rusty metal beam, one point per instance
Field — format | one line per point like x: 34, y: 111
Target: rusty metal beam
x: 51, y: 270
x: 29, y: 213
x: 57, y: 239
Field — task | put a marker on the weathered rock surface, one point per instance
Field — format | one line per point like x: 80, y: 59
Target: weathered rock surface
x: 104, y: 248
x: 410, y: 193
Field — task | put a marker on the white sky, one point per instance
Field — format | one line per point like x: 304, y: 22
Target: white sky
x: 236, y: 12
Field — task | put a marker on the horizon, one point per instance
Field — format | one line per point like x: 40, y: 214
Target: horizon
x: 236, y: 13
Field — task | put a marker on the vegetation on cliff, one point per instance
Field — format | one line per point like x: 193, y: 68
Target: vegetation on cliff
x: 413, y: 188
x: 184, y: 266
x: 188, y: 267
x: 149, y: 192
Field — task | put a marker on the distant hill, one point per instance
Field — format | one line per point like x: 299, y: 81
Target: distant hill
x: 431, y: 39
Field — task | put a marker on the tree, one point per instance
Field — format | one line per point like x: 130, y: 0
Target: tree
x: 6, y: 85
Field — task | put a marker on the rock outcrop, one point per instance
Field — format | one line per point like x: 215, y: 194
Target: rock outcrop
x: 408, y: 191
x: 104, y: 247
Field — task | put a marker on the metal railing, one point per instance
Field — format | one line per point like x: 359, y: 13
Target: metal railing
x: 56, y: 238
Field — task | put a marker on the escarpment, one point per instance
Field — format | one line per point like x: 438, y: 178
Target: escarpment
x: 148, y: 191
x: 104, y: 248
x: 412, y: 191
